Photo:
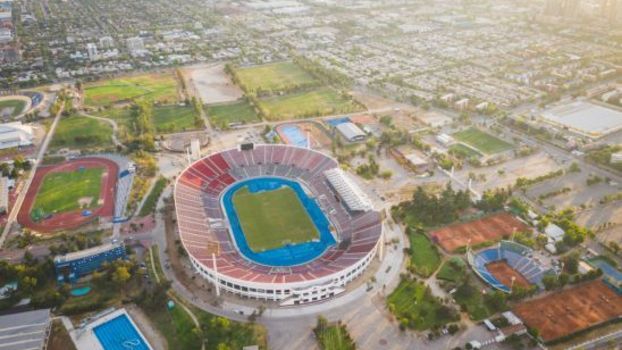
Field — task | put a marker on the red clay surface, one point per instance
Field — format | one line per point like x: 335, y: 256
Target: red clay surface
x: 504, y: 273
x: 566, y: 312
x: 72, y: 219
x: 489, y: 229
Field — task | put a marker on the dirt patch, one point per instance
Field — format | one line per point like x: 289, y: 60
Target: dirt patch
x: 85, y: 202
x: 504, y: 274
x: 569, y: 311
x: 59, y: 337
x: 211, y: 84
x: 489, y: 229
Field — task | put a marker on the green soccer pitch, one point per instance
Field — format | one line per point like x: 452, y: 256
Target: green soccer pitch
x: 272, y: 219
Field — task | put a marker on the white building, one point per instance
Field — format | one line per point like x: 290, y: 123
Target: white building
x: 15, y: 134
x: 351, y: 132
x: 91, y: 49
x: 616, y: 158
x: 106, y: 42
x: 135, y: 45
x: 554, y: 233
x: 462, y: 104
x: 444, y: 139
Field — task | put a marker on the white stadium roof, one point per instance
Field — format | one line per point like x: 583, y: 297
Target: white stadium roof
x: 350, y: 192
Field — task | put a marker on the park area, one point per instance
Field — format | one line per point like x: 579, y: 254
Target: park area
x: 81, y: 133
x: 307, y: 104
x: 67, y: 195
x: 424, y: 256
x: 564, y: 313
x: 273, y: 77
x: 271, y: 219
x: 482, y: 141
x: 333, y: 336
x: 157, y: 87
x: 166, y: 119
x: 489, y: 229
x: 416, y: 308
x: 225, y: 114
x: 12, y: 107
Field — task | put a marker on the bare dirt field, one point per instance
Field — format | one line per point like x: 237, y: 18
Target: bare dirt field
x: 211, y: 84
x: 488, y: 229
x: 504, y: 273
x: 566, y: 312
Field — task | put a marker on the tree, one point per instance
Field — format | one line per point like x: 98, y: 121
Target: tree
x: 121, y: 275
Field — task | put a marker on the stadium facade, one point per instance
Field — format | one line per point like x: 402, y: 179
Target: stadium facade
x: 207, y: 236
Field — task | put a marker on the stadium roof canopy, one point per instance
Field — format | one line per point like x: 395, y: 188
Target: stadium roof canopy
x: 354, y: 197
x: 24, y: 331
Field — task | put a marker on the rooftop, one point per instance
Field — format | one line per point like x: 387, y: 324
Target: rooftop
x: 25, y: 330
x: 350, y: 192
x: 585, y: 118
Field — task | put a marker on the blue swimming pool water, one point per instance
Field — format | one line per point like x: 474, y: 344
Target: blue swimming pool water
x: 78, y: 292
x: 294, y: 135
x: 289, y: 255
x: 120, y: 334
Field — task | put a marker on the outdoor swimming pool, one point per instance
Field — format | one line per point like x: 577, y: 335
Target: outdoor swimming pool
x: 120, y: 334
x: 288, y: 255
x: 81, y: 291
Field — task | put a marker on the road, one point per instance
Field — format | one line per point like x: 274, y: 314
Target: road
x: 22, y: 195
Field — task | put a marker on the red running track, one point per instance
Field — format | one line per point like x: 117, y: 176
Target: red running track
x: 73, y: 219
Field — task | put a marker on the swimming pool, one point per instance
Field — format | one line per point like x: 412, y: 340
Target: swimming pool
x: 120, y: 334
x: 81, y: 291
x: 288, y: 255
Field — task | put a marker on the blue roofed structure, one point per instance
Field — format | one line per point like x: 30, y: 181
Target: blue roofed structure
x: 74, y: 265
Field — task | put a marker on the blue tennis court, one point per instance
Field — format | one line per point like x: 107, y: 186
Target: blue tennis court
x: 607, y: 269
x: 291, y: 254
x: 120, y: 334
x: 336, y: 121
x: 293, y: 135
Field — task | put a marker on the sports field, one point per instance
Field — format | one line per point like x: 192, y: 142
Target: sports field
x: 314, y: 103
x: 271, y: 219
x: 463, y: 151
x: 569, y: 311
x: 504, y: 273
x: 488, y: 229
x: 222, y: 115
x: 67, y: 191
x: 273, y: 77
x: 160, y: 87
x: 173, y: 118
x: 482, y: 141
x: 11, y: 108
x: 80, y: 133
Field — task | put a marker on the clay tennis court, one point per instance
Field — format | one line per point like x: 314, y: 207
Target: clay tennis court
x: 489, y: 229
x: 504, y: 273
x: 566, y: 312
x: 72, y: 219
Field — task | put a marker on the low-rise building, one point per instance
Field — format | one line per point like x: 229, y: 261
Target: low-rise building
x: 15, y: 134
x: 25, y: 330
x: 351, y: 132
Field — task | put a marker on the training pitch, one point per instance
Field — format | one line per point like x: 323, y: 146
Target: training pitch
x: 274, y: 77
x: 155, y: 87
x: 271, y: 219
x: 482, y: 141
x: 66, y: 191
x: 569, y: 311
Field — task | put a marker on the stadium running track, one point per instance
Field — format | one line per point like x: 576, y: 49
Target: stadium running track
x: 73, y: 219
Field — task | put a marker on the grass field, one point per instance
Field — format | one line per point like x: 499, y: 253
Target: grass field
x: 452, y: 270
x: 274, y: 77
x: 63, y: 191
x: 173, y: 118
x: 156, y: 87
x: 81, y: 133
x: 272, y: 219
x: 177, y: 328
x: 463, y: 151
x: 472, y: 301
x: 16, y: 107
x: 416, y: 308
x: 335, y: 337
x: 152, y: 199
x: 222, y: 115
x: 424, y: 256
x: 313, y: 103
x: 482, y: 141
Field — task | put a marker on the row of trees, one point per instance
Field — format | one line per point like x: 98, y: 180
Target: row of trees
x: 431, y: 209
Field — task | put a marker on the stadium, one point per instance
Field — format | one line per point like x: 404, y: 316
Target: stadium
x: 275, y: 222
x: 506, y: 265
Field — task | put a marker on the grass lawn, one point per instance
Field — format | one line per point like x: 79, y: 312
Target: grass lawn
x: 273, y: 76
x: 173, y: 118
x: 63, y: 191
x: 484, y: 142
x: 222, y: 333
x: 452, y: 270
x: 156, y: 87
x: 81, y: 133
x: 463, y: 151
x: 272, y: 219
x: 152, y: 199
x: 424, y: 255
x: 222, y: 115
x: 177, y: 328
x: 335, y: 337
x: 472, y: 301
x: 13, y: 107
x: 416, y: 308
x: 313, y: 103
